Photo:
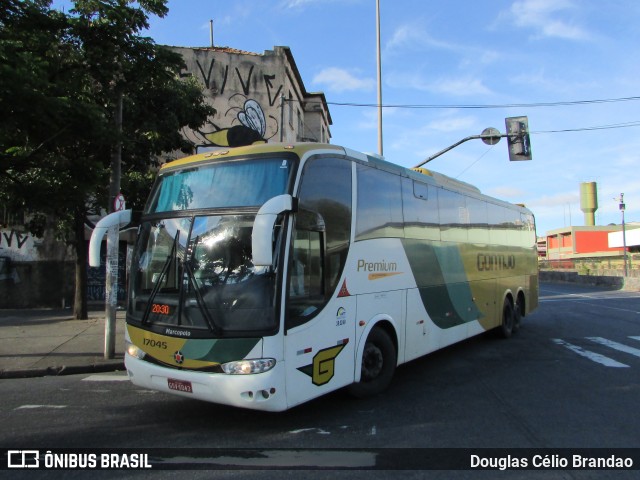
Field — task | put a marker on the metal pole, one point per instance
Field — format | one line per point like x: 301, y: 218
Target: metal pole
x: 111, y: 294
x: 624, y: 235
x: 380, y: 150
x: 211, y: 32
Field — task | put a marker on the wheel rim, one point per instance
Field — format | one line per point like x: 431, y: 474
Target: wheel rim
x: 372, y: 362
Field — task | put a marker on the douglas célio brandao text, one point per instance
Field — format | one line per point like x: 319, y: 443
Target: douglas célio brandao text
x: 550, y: 461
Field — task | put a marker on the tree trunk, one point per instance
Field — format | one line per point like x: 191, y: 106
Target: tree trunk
x: 80, y: 298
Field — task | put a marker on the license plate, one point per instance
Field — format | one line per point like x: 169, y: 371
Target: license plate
x: 179, y: 385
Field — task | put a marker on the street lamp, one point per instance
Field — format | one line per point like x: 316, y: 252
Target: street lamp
x: 624, y: 234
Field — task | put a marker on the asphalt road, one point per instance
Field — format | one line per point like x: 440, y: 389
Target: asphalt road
x: 569, y: 379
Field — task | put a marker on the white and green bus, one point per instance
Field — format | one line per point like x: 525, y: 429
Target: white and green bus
x: 266, y: 276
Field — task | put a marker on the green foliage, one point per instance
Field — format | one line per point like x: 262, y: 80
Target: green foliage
x: 136, y: 187
x: 61, y: 76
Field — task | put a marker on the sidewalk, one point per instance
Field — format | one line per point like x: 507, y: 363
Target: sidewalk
x: 35, y: 343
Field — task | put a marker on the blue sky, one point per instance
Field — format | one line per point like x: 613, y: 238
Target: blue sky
x: 454, y: 55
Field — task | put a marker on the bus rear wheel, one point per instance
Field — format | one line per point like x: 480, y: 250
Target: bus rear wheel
x: 378, y: 365
x: 517, y: 316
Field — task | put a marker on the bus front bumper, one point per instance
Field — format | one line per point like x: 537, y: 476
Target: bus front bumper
x: 262, y: 391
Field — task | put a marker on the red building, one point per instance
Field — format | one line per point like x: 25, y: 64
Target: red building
x: 579, y: 242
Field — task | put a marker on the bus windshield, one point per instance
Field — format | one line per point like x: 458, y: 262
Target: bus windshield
x: 196, y: 273
x: 244, y: 183
x: 192, y: 267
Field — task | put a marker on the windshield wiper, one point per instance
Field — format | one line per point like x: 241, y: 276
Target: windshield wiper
x: 163, y: 274
x: 201, y: 303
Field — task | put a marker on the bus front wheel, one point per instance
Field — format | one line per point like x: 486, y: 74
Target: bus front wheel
x: 378, y: 365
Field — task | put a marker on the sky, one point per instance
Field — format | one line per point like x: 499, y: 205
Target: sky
x: 570, y: 66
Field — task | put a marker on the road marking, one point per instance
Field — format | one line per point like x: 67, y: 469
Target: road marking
x: 635, y: 338
x: 302, y: 430
x: 589, y: 299
x: 613, y: 308
x: 319, y: 431
x: 31, y: 407
x: 106, y: 378
x: 599, y: 295
x: 615, y: 345
x: 595, y: 357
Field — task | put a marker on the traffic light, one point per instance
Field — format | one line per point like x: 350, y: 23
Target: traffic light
x: 518, y: 140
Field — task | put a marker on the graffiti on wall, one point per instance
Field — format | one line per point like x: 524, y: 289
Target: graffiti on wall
x: 18, y: 246
x: 240, y: 117
x: 251, y: 129
x: 97, y: 277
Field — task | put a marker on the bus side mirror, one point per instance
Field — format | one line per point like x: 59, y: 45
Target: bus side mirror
x: 120, y: 218
x: 262, y: 234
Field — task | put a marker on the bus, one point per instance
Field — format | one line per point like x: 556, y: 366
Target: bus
x: 268, y: 275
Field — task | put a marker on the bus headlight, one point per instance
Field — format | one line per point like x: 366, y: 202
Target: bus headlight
x: 134, y: 351
x: 247, y: 367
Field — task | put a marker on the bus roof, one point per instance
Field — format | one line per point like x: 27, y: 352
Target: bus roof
x: 301, y: 149
x: 225, y: 152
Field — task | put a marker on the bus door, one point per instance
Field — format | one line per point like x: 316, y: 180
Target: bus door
x: 319, y: 353
x: 320, y: 315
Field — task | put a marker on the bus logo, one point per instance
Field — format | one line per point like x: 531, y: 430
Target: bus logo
x: 178, y: 357
x: 489, y: 262
x: 323, y: 367
x: 23, y: 458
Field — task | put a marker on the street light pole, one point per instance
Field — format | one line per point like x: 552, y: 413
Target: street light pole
x: 624, y: 235
x: 380, y: 151
x: 113, y: 236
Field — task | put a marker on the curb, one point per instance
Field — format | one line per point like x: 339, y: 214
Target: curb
x: 62, y: 370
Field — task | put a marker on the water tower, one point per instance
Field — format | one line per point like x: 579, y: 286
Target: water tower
x: 589, y: 202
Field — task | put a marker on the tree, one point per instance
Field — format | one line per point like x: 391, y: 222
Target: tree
x: 63, y: 79
x: 47, y: 115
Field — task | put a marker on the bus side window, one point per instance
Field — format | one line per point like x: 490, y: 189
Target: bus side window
x: 306, y: 268
x: 307, y: 282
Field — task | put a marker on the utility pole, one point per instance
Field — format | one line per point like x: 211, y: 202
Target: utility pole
x: 380, y: 150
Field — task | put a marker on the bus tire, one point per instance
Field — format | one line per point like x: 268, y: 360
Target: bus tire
x: 508, y: 319
x: 517, y: 317
x: 378, y: 365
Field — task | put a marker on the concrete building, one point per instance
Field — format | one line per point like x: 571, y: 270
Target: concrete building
x: 564, y: 246
x: 581, y: 242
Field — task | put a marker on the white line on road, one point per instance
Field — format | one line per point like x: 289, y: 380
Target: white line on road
x: 589, y: 301
x: 29, y: 407
x: 106, y: 378
x: 595, y: 357
x: 635, y: 338
x: 615, y: 345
